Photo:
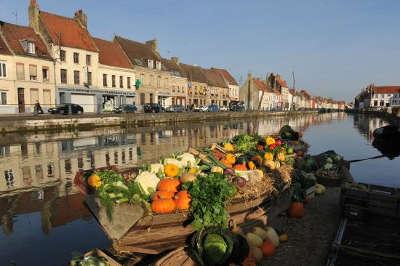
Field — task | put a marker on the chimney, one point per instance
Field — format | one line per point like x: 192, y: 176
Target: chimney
x: 175, y: 60
x: 152, y: 44
x: 33, y: 12
x: 81, y: 17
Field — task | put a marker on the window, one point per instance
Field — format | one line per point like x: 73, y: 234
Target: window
x: 62, y: 55
x: 76, y: 77
x: 63, y: 75
x: 76, y: 58
x: 45, y: 73
x: 158, y: 82
x: 3, y: 70
x: 3, y: 98
x: 128, y: 82
x: 104, y: 80
x: 142, y: 78
x: 150, y: 64
x: 113, y: 81
x: 29, y: 47
x: 89, y: 78
x: 121, y: 81
x: 88, y: 59
x: 20, y: 71
x: 158, y: 65
x: 32, y: 72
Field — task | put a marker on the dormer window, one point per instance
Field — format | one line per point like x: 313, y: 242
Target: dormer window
x: 158, y: 65
x: 150, y: 64
x: 29, y: 46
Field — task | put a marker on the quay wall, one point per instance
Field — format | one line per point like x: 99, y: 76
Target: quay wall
x: 13, y: 124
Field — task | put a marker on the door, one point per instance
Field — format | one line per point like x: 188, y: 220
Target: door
x: 21, y: 100
x: 86, y: 101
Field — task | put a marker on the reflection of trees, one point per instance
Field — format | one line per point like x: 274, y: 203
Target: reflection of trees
x: 7, y: 215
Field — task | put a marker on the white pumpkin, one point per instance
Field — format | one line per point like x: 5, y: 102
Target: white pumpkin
x: 254, y: 240
x: 260, y: 232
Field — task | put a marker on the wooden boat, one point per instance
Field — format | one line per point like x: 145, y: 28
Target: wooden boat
x: 153, y: 234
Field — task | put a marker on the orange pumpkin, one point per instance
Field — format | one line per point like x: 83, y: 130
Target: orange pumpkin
x: 296, y: 210
x: 240, y: 167
x: 182, y: 200
x: 163, y: 206
x: 226, y: 162
x: 163, y: 195
x: 268, y: 248
x: 169, y: 184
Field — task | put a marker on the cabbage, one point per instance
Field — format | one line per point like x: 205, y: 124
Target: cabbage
x: 215, y: 248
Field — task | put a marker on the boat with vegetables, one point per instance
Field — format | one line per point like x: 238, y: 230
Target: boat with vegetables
x: 155, y: 207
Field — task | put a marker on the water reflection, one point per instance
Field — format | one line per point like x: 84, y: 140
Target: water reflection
x: 38, y: 200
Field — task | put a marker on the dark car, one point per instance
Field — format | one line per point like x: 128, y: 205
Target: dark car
x: 213, y: 108
x: 152, y: 108
x: 175, y: 108
x: 126, y: 108
x: 66, y: 108
x: 236, y: 106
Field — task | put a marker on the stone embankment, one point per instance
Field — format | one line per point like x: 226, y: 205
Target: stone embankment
x: 12, y: 124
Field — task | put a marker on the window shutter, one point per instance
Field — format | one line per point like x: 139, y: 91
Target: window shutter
x: 32, y: 70
x: 20, y: 72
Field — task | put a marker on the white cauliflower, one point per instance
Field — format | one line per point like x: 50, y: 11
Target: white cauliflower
x: 148, y: 181
x: 187, y: 159
x: 173, y: 161
x: 156, y: 168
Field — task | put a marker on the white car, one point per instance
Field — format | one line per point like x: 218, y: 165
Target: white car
x: 203, y: 108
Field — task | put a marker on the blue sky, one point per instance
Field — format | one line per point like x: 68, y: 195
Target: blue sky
x: 334, y: 47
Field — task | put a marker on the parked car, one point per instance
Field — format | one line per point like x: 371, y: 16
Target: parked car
x: 213, y: 108
x: 203, y: 108
x: 224, y: 108
x: 126, y: 108
x: 66, y: 108
x: 236, y: 106
x: 153, y: 108
x: 175, y: 108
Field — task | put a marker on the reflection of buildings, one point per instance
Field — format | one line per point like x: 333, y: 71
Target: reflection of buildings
x: 43, y: 166
x: 367, y: 124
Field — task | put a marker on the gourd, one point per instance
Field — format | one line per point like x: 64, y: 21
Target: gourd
x: 169, y: 184
x: 230, y: 158
x: 260, y: 232
x: 257, y: 160
x: 254, y: 240
x: 283, y: 237
x: 270, y: 141
x: 270, y: 164
x: 272, y: 235
x: 277, y: 164
x: 171, y: 170
x: 268, y: 248
x: 228, y: 147
x: 251, y: 165
x: 217, y: 169
x: 281, y: 157
x: 319, y: 189
x: 296, y: 210
x: 182, y: 200
x: 240, y: 167
x: 94, y: 181
x: 256, y: 253
x: 163, y: 206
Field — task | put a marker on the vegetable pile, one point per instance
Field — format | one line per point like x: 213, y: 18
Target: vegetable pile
x: 201, y: 182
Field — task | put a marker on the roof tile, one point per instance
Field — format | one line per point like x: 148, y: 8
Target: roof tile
x: 70, y: 32
x: 111, y: 54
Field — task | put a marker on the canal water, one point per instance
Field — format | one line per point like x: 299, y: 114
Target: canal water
x: 43, y: 220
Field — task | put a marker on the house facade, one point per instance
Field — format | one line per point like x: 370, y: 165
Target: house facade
x: 27, y: 69
x: 232, y: 84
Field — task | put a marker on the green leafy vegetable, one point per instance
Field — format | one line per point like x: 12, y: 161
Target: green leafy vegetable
x: 245, y: 143
x: 210, y: 194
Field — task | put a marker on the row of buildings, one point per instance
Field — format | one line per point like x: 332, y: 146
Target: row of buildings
x: 378, y: 97
x: 273, y: 93
x: 56, y: 60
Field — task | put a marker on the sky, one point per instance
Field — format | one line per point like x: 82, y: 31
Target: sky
x: 334, y: 48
